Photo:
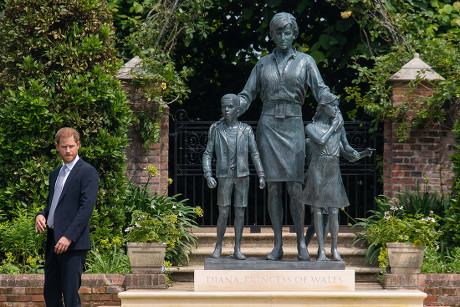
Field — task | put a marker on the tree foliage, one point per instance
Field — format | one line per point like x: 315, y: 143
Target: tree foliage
x: 393, y: 32
x: 57, y: 67
x: 155, y: 27
x: 239, y: 36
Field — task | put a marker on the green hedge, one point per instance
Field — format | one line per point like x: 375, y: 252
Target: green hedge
x: 57, y: 68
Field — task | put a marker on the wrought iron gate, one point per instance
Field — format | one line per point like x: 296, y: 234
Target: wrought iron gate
x: 188, y: 142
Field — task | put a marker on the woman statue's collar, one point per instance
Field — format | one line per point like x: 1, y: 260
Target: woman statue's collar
x: 292, y: 50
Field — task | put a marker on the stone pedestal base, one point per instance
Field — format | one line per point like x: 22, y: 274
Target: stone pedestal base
x: 274, y: 280
x: 229, y: 263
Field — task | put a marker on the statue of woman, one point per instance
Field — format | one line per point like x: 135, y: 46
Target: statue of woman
x: 282, y: 80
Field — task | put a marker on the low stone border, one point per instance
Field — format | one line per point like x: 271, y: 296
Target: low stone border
x: 103, y: 289
x: 96, y: 289
x: 442, y: 289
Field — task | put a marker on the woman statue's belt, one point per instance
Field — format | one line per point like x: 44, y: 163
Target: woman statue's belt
x: 281, y: 109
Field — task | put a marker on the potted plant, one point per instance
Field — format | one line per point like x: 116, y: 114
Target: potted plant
x: 160, y: 224
x: 405, y: 237
x: 146, y: 249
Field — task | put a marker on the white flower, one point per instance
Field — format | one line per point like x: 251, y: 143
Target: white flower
x: 180, y: 213
x: 387, y: 215
x: 128, y: 229
x: 138, y: 225
x: 153, y: 206
x: 174, y: 207
x: 394, y: 208
x: 428, y: 219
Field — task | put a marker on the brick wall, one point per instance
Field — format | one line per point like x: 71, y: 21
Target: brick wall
x: 408, y: 163
x: 442, y: 289
x: 139, y: 157
x: 96, y: 289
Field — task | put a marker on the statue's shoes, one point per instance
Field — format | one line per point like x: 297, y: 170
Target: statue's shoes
x: 238, y: 255
x: 336, y: 255
x: 216, y: 253
x: 321, y: 256
x: 303, y: 255
x: 275, y: 255
x: 302, y: 252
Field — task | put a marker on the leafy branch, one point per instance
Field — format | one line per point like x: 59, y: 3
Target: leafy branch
x: 432, y: 28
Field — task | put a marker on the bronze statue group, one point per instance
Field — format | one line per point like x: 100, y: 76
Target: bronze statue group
x: 282, y: 79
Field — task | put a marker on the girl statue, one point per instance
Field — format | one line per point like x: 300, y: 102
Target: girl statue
x: 324, y: 190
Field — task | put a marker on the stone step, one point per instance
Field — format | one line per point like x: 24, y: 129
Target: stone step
x: 363, y: 298
x: 352, y: 256
x: 207, y: 237
x: 253, y: 240
x: 259, y: 244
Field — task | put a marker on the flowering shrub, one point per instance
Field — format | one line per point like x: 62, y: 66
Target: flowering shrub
x: 167, y: 221
x: 406, y: 228
x: 406, y: 204
x: 397, y: 226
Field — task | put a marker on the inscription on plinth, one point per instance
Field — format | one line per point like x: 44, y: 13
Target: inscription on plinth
x: 274, y: 280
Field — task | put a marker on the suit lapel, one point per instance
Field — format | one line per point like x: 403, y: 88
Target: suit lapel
x: 53, y: 178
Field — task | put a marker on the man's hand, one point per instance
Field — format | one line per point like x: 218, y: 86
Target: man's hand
x: 262, y: 182
x: 212, y: 183
x: 40, y: 223
x: 62, y: 245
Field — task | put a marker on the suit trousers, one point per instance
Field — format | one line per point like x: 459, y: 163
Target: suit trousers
x: 62, y: 274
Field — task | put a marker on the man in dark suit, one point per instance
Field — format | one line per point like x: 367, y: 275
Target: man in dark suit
x: 73, y: 189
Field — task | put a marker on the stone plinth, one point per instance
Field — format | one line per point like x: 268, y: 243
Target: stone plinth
x: 274, y: 280
x: 229, y: 263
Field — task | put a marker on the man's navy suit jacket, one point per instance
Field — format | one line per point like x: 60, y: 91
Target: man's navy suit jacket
x: 75, y: 205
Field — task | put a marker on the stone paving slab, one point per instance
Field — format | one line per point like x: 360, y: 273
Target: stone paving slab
x: 361, y: 298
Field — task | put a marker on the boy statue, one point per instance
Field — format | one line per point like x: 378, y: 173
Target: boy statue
x: 232, y: 141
